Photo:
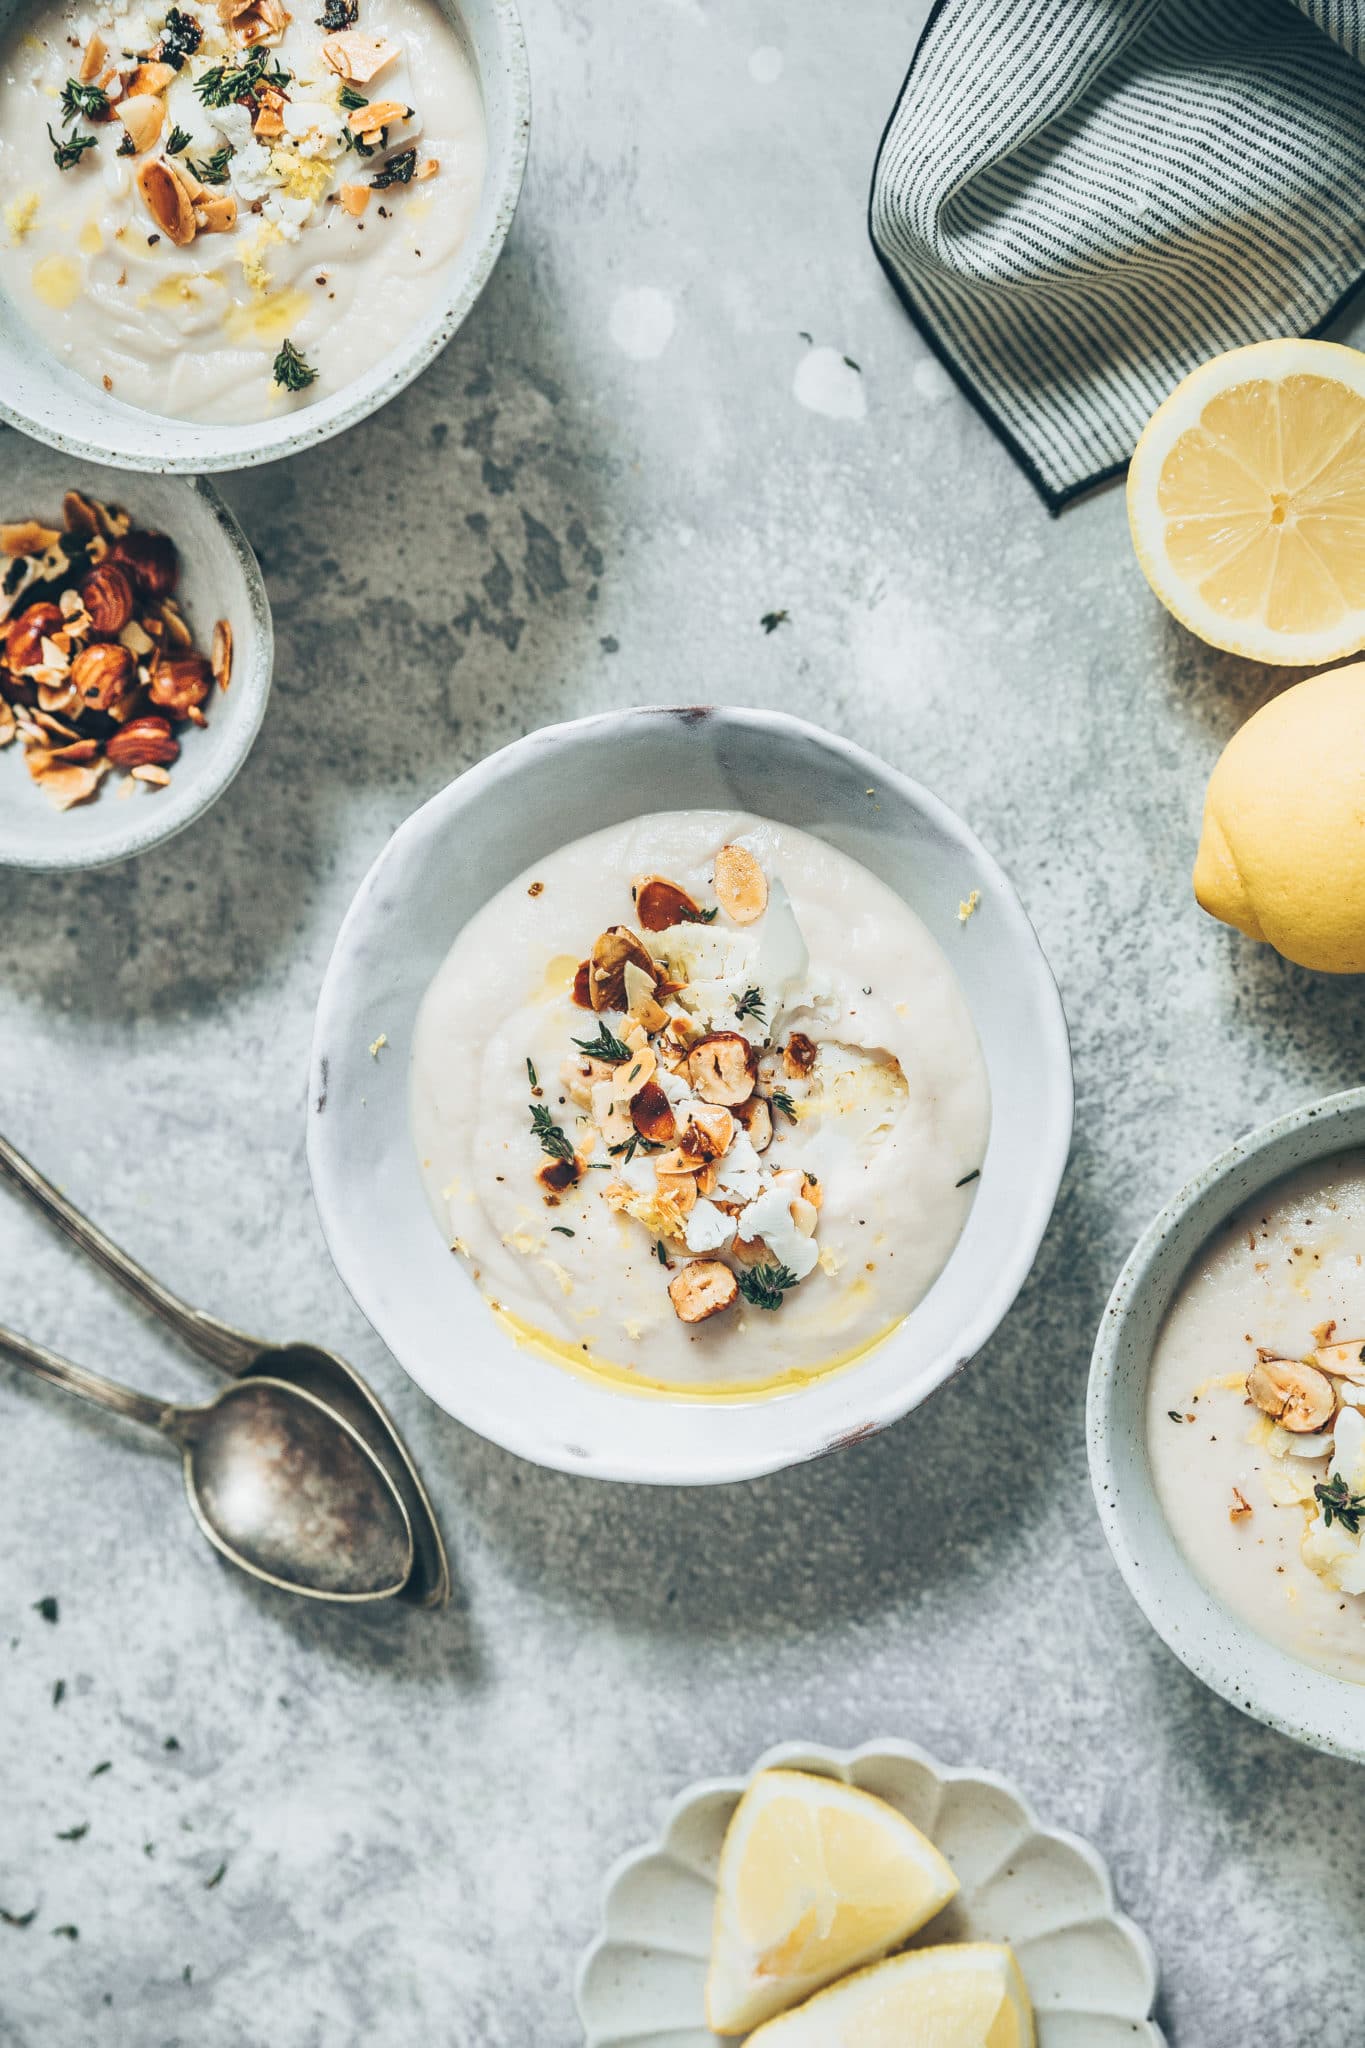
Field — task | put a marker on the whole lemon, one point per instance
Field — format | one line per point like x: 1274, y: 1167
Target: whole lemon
x: 1282, y: 853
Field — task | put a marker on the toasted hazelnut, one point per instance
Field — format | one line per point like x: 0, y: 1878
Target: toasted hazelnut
x: 723, y: 1067
x: 757, y: 1119
x: 709, y: 1134
x: 180, y: 686
x: 651, y: 1112
x: 221, y: 654
x: 1342, y: 1361
x: 143, y: 739
x: 150, y: 559
x: 556, y: 1176
x: 703, y: 1288
x: 100, y: 674
x: 659, y: 904
x: 581, y: 993
x: 607, y: 968
x: 107, y: 594
x: 798, y: 1056
x: 1297, y: 1395
x: 144, y: 116
x: 25, y: 636
x: 168, y: 199
x: 740, y: 884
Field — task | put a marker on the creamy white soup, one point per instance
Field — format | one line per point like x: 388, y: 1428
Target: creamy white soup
x: 1256, y: 1419
x: 700, y: 1103
x: 223, y: 212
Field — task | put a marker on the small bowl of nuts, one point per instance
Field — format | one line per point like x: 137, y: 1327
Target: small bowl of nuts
x: 135, y: 657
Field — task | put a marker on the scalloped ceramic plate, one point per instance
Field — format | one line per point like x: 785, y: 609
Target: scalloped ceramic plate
x: 1090, y: 1972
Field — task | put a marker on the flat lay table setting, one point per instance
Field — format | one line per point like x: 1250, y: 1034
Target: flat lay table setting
x: 681, y: 1007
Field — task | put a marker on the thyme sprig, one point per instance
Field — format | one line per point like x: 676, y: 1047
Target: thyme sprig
x: 781, y: 1101
x: 764, y: 1286
x: 633, y: 1144
x: 606, y: 1046
x: 221, y: 84
x: 551, y: 1137
x: 78, y: 99
x: 68, y: 151
x: 213, y: 170
x: 397, y: 171
x: 351, y: 100
x: 1339, y: 1504
x: 291, y: 371
x: 178, y: 139
x: 752, y: 1004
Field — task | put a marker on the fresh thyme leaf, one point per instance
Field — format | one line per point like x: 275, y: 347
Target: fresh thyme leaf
x: 770, y: 621
x: 531, y: 1075
x: 397, y: 171
x: 19, y: 1919
x: 219, y: 1874
x: 64, y: 153
x: 854, y: 366
x: 129, y: 148
x: 562, y: 1228
x: 552, y: 1138
x: 181, y: 36
x: 351, y: 100
x: 291, y: 372
x: 78, y: 99
x: 699, y: 916
x: 752, y: 1005
x: 1339, y: 1504
x: 338, y: 14
x: 968, y: 1178
x: 177, y: 140
x: 71, y: 1932
x: 765, y: 1285
x: 781, y: 1100
x: 47, y: 1607
x: 100, y: 1769
x: 660, y: 1251
x: 214, y: 169
x: 604, y: 1047
x: 171, y: 1742
x: 59, y: 1692
x: 633, y: 1144
x: 1175, y: 1415
x: 75, y: 1834
x: 224, y: 83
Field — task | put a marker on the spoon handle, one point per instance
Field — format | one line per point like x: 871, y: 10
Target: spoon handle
x: 230, y: 1350
x: 91, y: 1386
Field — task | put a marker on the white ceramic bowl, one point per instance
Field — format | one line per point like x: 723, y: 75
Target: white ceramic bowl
x: 1090, y: 1972
x: 44, y: 398
x: 1254, y: 1674
x: 219, y: 579
x: 477, y: 835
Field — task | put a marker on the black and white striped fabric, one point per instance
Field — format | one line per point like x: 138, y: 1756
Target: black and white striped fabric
x: 1080, y: 200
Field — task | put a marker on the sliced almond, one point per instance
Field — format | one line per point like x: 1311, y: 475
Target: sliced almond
x: 580, y: 1074
x: 215, y: 213
x: 607, y: 967
x: 631, y: 1075
x: 703, y: 1288
x: 1342, y: 1361
x: 144, y: 116
x: 740, y: 884
x: 660, y: 904
x: 377, y: 114
x: 757, y: 1119
x: 356, y: 56
x: 269, y: 123
x: 221, y: 659
x: 811, y: 1191
x: 709, y: 1134
x: 723, y: 1067
x: 65, y: 784
x: 92, y: 61
x: 151, y: 77
x: 1241, y: 1506
x: 678, y: 1187
x: 651, y: 1112
x: 166, y: 196
x: 1296, y: 1395
x: 354, y: 199
x: 152, y: 773
x: 428, y: 168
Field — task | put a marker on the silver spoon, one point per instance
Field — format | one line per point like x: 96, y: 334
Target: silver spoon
x: 320, y: 1373
x: 277, y: 1482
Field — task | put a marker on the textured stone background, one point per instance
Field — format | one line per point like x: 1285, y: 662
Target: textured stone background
x: 415, y: 1814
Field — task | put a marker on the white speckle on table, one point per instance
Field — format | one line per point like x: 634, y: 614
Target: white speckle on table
x: 827, y: 382
x: 931, y: 380
x: 642, y: 323
x: 765, y: 65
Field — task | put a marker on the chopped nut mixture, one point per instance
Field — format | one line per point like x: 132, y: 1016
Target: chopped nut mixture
x: 98, y: 668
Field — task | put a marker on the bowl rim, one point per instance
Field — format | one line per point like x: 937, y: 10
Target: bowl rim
x: 1161, y: 1596
x: 228, y: 749
x: 809, y: 1756
x: 181, y: 453
x: 507, y: 1425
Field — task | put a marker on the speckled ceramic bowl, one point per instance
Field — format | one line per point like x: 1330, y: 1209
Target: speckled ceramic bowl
x: 1254, y: 1674
x: 42, y: 397
x: 477, y: 835
x: 219, y: 579
x: 1090, y: 1972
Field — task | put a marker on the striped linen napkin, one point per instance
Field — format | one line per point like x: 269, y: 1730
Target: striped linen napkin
x: 1080, y: 200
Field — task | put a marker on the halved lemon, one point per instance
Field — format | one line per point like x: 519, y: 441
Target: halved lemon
x: 1246, y: 501
x: 815, y: 1878
x: 969, y: 1996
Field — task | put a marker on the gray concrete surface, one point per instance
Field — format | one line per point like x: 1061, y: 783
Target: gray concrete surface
x: 414, y: 1814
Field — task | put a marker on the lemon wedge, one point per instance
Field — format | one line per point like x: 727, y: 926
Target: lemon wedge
x: 1246, y: 501
x: 815, y: 1879
x: 969, y: 1996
